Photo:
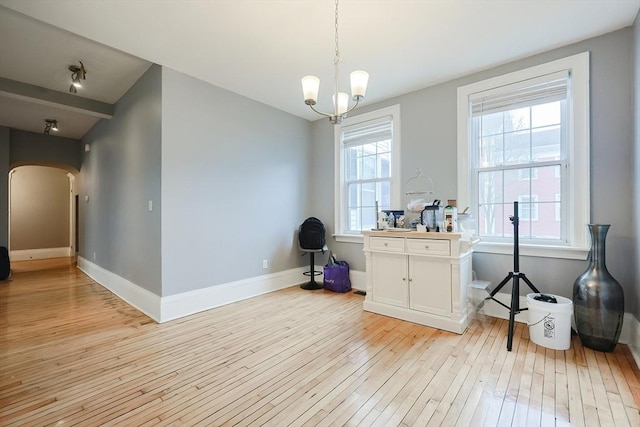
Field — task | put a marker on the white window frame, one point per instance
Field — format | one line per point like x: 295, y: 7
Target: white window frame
x: 576, y: 187
x: 340, y: 191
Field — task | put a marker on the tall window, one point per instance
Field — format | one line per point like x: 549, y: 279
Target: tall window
x: 367, y: 155
x: 525, y: 137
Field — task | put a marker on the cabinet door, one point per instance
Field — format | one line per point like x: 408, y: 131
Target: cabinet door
x: 389, y: 273
x: 430, y: 285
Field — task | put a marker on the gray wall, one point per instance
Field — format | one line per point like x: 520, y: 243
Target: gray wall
x: 429, y: 141
x: 120, y: 175
x: 235, y: 185
x: 18, y: 148
x: 28, y: 148
x: 5, y: 139
x: 636, y: 191
x: 39, y: 208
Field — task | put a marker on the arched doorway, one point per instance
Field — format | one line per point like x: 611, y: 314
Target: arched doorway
x: 42, y: 212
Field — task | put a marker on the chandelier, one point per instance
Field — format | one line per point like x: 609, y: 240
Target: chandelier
x: 359, y: 80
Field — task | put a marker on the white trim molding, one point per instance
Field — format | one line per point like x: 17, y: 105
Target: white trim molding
x: 164, y: 309
x: 134, y: 295
x: 186, y: 303
x: 45, y: 253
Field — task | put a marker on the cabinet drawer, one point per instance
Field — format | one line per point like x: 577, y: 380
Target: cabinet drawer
x: 387, y: 244
x: 428, y: 247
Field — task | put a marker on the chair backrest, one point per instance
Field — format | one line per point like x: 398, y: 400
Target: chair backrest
x: 311, y: 235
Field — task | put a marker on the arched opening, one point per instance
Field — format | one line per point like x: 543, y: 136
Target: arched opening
x: 42, y: 220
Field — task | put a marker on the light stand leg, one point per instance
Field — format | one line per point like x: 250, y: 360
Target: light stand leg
x: 515, y: 276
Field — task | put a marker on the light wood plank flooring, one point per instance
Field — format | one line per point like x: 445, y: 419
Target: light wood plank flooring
x: 74, y: 354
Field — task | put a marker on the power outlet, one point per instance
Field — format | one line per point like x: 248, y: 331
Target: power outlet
x: 94, y: 255
x: 265, y: 263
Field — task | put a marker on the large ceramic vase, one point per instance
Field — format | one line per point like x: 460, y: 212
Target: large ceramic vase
x: 598, y: 298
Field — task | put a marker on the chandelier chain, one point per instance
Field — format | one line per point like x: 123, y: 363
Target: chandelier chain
x: 337, y: 59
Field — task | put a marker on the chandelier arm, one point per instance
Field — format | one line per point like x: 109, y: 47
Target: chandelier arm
x: 320, y: 112
x: 354, y: 105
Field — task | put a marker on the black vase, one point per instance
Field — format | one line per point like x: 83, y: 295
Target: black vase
x: 598, y: 298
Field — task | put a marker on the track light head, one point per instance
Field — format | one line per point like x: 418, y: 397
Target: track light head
x: 77, y: 74
x: 50, y: 125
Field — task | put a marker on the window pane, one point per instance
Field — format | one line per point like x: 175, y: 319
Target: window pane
x: 384, y: 165
x: 353, y: 195
x: 546, y: 114
x: 548, y: 183
x: 546, y: 143
x: 490, y: 221
x: 368, y: 167
x: 369, y: 218
x: 547, y: 226
x: 491, y: 124
x: 517, y: 119
x: 384, y: 194
x: 368, y: 194
x: 491, y: 151
x: 351, y: 163
x: 514, y: 187
x: 490, y: 187
x: 517, y: 147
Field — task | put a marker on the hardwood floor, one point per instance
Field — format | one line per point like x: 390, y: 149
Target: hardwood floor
x: 74, y: 354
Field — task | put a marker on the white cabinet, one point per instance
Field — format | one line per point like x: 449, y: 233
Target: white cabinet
x: 429, y: 285
x: 419, y: 277
x: 390, y: 279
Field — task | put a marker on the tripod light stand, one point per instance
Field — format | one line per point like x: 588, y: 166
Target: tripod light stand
x: 515, y: 276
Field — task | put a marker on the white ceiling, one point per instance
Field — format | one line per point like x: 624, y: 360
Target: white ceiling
x: 261, y: 49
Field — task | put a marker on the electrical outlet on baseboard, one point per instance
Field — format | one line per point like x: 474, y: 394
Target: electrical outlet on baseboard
x: 265, y: 263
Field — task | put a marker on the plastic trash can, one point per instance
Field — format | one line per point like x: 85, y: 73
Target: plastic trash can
x: 550, y: 323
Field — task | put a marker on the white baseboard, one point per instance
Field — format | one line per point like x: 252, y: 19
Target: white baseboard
x: 629, y: 335
x: 164, y: 309
x: 634, y: 336
x: 134, y: 295
x: 184, y: 304
x: 30, y: 254
x: 358, y: 280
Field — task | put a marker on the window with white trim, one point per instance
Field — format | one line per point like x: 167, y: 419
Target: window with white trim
x: 367, y: 163
x: 524, y: 137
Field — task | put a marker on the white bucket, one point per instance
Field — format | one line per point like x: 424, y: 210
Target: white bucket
x: 549, y: 323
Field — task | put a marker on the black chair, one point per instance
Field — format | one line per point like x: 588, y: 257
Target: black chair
x: 312, y: 273
x: 311, y: 240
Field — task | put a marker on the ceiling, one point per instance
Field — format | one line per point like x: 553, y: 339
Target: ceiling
x: 261, y: 48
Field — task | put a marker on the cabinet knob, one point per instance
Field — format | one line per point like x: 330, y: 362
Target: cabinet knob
x: 410, y: 279
x: 386, y: 244
x: 426, y: 246
x: 404, y: 279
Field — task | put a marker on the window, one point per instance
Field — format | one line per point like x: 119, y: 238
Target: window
x: 525, y: 137
x: 367, y: 157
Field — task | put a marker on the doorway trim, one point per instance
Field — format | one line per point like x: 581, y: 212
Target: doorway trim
x: 31, y: 254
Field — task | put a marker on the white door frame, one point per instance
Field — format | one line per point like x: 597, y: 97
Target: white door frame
x: 72, y: 216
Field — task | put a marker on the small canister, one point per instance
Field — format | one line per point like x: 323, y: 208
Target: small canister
x: 450, y: 219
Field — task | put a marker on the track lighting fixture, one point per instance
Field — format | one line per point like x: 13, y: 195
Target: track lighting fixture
x: 77, y: 74
x: 50, y: 125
